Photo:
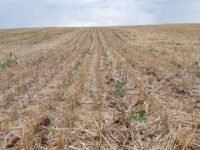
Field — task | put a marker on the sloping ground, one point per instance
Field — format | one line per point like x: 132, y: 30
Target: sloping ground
x: 117, y: 88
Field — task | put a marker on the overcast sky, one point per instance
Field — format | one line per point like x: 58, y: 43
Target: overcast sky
x: 41, y: 13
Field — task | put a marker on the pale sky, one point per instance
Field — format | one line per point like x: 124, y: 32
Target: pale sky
x: 48, y: 13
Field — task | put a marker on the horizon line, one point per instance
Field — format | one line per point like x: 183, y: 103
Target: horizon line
x: 97, y: 26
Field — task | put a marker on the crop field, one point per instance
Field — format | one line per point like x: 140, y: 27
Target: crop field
x: 100, y: 88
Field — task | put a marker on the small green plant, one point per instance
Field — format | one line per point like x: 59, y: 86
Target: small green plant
x: 11, y: 60
x: 73, y: 49
x: 120, y: 90
x: 78, y: 64
x: 163, y: 52
x: 151, y: 49
x: 120, y: 84
x: 87, y: 52
x: 196, y: 65
x: 137, y: 116
x: 109, y: 63
x: 124, y: 50
x: 52, y: 125
x: 142, y: 116
x: 106, y: 55
x: 133, y: 116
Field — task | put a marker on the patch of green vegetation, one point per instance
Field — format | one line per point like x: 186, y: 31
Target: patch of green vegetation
x: 124, y: 50
x: 85, y: 53
x: 74, y: 49
x: 120, y: 84
x: 153, y: 49
x: 11, y: 60
x: 120, y: 90
x: 178, y: 44
x: 78, y: 64
x: 137, y: 116
x: 133, y: 116
x: 196, y: 65
x: 142, y: 116
x: 109, y: 63
x: 52, y: 125
x: 163, y: 52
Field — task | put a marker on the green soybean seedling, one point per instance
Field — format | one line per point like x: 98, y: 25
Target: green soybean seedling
x: 196, y: 65
x: 52, y: 125
x: 120, y: 90
x: 78, y: 64
x: 124, y: 50
x: 142, y: 116
x: 133, y: 116
x: 137, y: 116
x: 109, y: 63
x: 120, y: 84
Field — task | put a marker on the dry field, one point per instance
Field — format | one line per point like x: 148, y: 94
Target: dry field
x: 114, y: 88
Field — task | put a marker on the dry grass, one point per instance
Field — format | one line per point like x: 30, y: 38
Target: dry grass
x: 101, y: 88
